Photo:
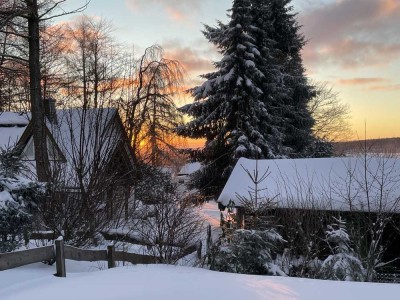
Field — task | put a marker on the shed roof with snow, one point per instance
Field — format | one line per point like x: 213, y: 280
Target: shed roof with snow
x: 12, y: 126
x: 368, y: 184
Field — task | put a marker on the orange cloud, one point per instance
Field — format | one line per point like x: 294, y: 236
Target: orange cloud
x: 175, y: 14
x: 192, y: 61
x: 391, y: 87
x: 361, y: 80
x: 176, y: 10
x: 388, y: 7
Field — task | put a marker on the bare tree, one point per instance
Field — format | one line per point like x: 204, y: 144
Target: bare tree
x: 90, y: 185
x: 331, y: 115
x: 377, y: 180
x: 53, y: 47
x: 20, y: 23
x: 168, y: 225
x: 94, y: 63
x: 149, y: 110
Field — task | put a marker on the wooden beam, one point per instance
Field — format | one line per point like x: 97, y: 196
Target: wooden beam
x: 135, y: 258
x: 20, y: 258
x: 84, y: 254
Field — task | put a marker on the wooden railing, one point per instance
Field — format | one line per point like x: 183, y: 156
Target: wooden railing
x: 20, y: 258
x: 61, y: 252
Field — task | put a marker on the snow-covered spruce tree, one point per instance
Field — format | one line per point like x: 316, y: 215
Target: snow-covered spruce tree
x: 227, y: 110
x: 342, y: 263
x: 297, y: 120
x: 252, y: 250
x: 18, y: 198
x: 254, y: 104
x: 248, y: 252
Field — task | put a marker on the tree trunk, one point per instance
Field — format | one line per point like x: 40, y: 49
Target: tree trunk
x: 37, y: 109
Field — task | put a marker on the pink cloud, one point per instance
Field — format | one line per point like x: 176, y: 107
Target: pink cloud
x: 192, y: 61
x: 176, y: 10
x: 373, y: 83
x: 352, y: 33
x: 196, y: 60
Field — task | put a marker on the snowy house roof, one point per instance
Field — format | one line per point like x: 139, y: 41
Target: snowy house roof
x: 12, y: 126
x: 8, y: 118
x: 343, y: 184
x: 87, y: 139
x: 189, y: 168
x: 89, y: 128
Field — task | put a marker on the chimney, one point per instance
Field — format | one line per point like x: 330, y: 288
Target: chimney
x: 50, y: 110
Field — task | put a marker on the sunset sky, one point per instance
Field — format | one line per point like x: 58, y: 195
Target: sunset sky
x: 354, y: 45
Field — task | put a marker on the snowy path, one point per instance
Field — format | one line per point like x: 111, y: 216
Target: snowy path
x: 211, y: 213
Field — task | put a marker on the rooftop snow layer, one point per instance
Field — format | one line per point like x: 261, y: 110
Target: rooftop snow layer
x: 323, y: 183
x: 13, y: 118
x: 9, y: 136
x: 12, y: 126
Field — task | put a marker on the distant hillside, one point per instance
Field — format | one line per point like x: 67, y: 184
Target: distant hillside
x: 387, y: 145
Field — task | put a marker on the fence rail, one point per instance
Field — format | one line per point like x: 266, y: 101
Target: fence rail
x: 135, y: 258
x: 84, y: 254
x: 20, y: 258
x: 62, y: 252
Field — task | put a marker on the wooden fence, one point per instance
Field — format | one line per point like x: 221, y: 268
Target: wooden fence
x: 61, y: 252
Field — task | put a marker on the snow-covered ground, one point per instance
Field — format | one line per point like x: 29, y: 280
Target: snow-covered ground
x: 148, y: 282
x: 87, y: 280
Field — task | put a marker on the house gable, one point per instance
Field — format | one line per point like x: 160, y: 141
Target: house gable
x: 93, y: 134
x: 26, y: 145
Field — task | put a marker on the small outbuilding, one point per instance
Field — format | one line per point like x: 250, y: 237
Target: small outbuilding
x: 303, y: 196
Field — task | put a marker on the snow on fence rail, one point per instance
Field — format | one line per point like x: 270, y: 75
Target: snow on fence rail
x: 62, y: 252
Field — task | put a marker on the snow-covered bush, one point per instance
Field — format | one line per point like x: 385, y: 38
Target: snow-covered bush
x: 152, y: 181
x: 171, y: 227
x: 322, y: 148
x: 298, y: 265
x: 18, y: 198
x: 167, y: 223
x: 343, y: 263
x: 248, y: 252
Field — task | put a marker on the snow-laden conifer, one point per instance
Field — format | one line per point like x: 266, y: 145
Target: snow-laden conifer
x: 18, y: 201
x: 343, y: 263
x: 293, y: 111
x: 255, y: 104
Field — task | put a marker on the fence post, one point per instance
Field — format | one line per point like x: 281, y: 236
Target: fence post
x: 199, y: 246
x: 111, y: 256
x: 209, y: 238
x: 60, y: 259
